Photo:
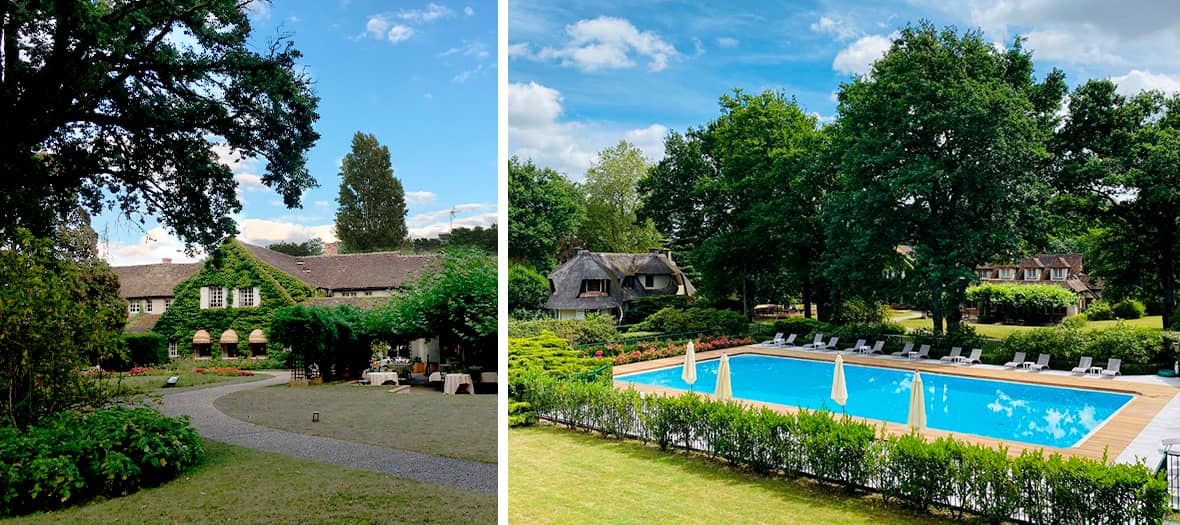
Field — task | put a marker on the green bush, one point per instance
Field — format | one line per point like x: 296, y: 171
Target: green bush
x: 943, y: 475
x: 860, y: 311
x: 146, y: 349
x: 1099, y: 311
x: 1031, y: 302
x: 521, y: 414
x: 527, y: 289
x: 803, y: 327
x: 1138, y: 348
x: 73, y: 456
x: 548, y: 354
x: 642, y: 308
x: 699, y: 319
x: 594, y: 328
x: 1128, y: 309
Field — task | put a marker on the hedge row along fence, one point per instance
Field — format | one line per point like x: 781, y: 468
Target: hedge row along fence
x: 946, y: 474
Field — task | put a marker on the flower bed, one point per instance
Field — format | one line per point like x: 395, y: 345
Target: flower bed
x: 223, y: 371
x: 648, y: 350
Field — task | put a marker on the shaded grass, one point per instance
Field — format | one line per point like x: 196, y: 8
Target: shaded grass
x: 560, y: 476
x: 420, y: 420
x: 242, y: 485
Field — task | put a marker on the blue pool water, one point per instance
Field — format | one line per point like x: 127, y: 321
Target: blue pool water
x: 1042, y: 415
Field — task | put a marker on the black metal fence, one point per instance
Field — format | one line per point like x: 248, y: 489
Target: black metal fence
x: 1171, y: 465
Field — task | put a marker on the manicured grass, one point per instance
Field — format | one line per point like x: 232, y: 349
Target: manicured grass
x: 241, y: 485
x: 562, y: 476
x: 1000, y: 331
x: 420, y: 420
x: 188, y: 381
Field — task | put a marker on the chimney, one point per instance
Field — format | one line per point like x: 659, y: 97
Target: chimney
x: 167, y: 260
x: 331, y: 248
x: 660, y: 251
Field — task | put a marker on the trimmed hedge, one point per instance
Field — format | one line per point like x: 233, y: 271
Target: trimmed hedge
x: 146, y: 349
x: 594, y: 328
x: 72, y: 457
x: 549, y: 354
x: 944, y: 474
x: 697, y: 319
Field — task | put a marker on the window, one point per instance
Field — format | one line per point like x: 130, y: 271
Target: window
x: 133, y: 307
x: 167, y: 303
x: 173, y: 349
x: 147, y: 306
x: 1032, y: 274
x: 368, y: 292
x: 1058, y: 274
x: 983, y: 274
x: 348, y: 294
x: 649, y: 281
x: 216, y: 297
x: 1007, y: 273
x: 246, y: 297
x: 595, y: 287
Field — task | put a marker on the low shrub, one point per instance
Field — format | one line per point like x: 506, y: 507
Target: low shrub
x: 642, y: 308
x: 1128, y: 309
x: 1099, y: 311
x: 697, y: 319
x: 803, y: 327
x: 548, y: 354
x: 521, y: 414
x: 1138, y: 348
x: 945, y: 475
x: 594, y: 328
x: 73, y: 456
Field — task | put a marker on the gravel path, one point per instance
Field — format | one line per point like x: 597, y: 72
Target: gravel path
x: 211, y: 423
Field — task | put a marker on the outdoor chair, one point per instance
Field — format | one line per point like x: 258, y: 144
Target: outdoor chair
x: 1112, y: 367
x: 956, y: 352
x: 975, y: 356
x: 922, y: 353
x: 876, y: 349
x: 778, y: 340
x: 856, y: 347
x: 789, y: 341
x: 905, y: 350
x: 1017, y: 361
x: 1084, y: 365
x: 831, y: 344
x: 1041, y: 364
x: 818, y: 342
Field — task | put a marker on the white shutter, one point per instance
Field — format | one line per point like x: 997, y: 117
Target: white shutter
x: 237, y: 297
x: 204, y: 297
x: 257, y: 296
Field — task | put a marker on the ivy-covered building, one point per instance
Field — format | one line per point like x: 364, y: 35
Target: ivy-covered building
x: 224, y: 305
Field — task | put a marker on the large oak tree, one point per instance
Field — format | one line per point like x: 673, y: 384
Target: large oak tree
x: 118, y: 104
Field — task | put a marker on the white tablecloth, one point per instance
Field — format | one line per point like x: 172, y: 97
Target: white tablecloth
x: 452, y: 381
x: 377, y: 378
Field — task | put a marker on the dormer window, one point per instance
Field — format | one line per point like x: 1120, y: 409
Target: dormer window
x: 1007, y: 274
x: 1058, y: 274
x: 649, y: 281
x: 594, y: 288
x: 1032, y: 274
x: 983, y: 274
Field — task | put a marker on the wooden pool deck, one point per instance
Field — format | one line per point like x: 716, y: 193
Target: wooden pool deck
x: 1108, y: 441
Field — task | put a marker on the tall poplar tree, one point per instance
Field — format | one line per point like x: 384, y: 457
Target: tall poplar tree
x: 371, y: 215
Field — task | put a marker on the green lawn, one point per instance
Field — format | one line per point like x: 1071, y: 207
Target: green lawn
x: 561, y: 476
x: 420, y: 420
x: 1000, y: 331
x: 188, y: 381
x: 241, y: 485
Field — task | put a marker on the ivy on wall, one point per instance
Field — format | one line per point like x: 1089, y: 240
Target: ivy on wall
x: 231, y: 266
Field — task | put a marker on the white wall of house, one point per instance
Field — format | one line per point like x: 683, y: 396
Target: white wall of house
x: 147, y: 305
x: 570, y: 314
x: 426, y: 350
x: 361, y: 293
x: 658, y: 281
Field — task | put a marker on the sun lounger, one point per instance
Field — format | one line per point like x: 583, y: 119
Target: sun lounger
x: 817, y: 342
x: 956, y: 352
x: 1041, y: 364
x: 1084, y: 365
x: 876, y: 349
x: 831, y: 344
x: 904, y: 350
x: 778, y: 340
x: 860, y: 343
x: 789, y: 341
x: 1017, y: 360
x: 923, y: 352
x: 1112, y: 367
x: 975, y: 356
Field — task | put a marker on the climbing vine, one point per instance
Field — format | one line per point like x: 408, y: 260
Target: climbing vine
x: 231, y: 266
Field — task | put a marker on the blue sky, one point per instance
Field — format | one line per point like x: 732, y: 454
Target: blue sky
x: 584, y: 75
x: 419, y: 75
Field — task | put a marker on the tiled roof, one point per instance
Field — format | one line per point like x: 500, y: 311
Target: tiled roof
x: 364, y: 302
x: 380, y: 270
x: 153, y: 280
x: 141, y: 323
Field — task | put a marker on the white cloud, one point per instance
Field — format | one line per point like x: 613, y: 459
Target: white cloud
x: 400, y: 33
x: 1065, y: 46
x: 839, y: 29
x: 263, y: 232
x: 431, y: 13
x: 727, y: 42
x: 468, y: 11
x: 462, y: 76
x: 470, y: 48
x: 430, y: 224
x: 250, y: 182
x: 858, y: 57
x: 259, y: 8
x: 603, y: 43
x: 1136, y: 81
x: 322, y: 204
x: 377, y: 26
x: 534, y: 132
x: 152, y: 247
x: 419, y: 197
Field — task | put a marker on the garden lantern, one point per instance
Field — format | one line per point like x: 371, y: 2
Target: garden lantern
x: 315, y: 416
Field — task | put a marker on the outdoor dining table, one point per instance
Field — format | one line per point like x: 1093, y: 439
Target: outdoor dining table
x: 378, y: 378
x: 452, y: 381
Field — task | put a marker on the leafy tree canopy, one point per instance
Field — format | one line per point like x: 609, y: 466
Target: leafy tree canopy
x: 306, y: 248
x: 612, y: 202
x: 372, y: 212
x: 120, y: 105
x: 527, y: 289
x: 544, y: 211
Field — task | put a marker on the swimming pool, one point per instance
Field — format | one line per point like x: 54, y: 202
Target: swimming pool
x: 1037, y: 414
